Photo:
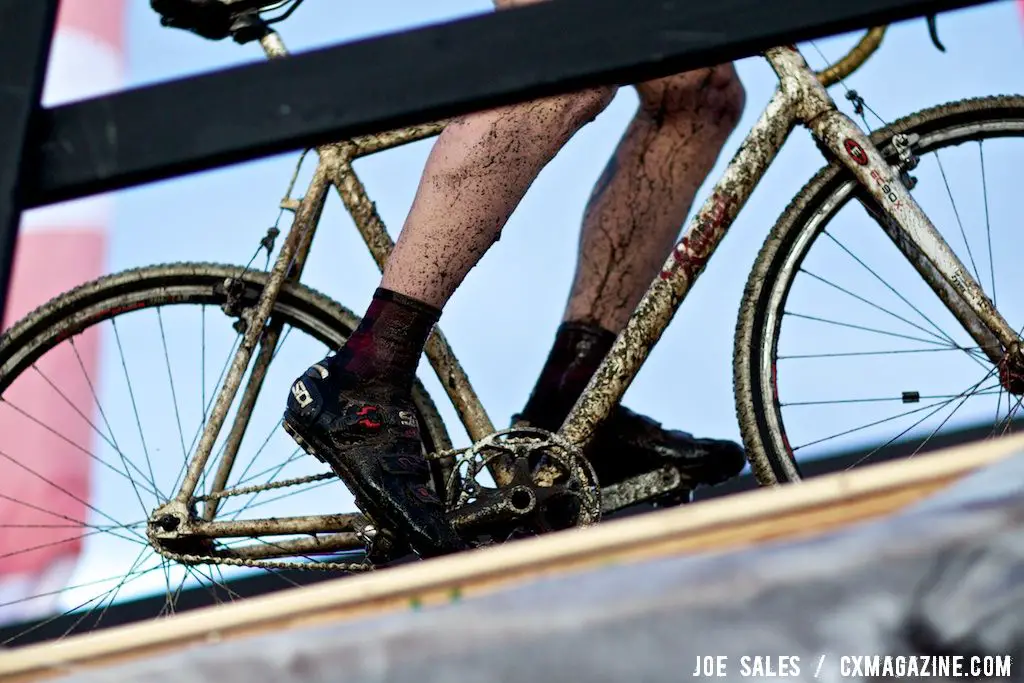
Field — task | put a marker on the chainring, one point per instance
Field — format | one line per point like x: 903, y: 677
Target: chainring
x: 549, y: 485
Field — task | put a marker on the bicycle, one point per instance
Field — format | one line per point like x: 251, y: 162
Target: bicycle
x: 518, y: 481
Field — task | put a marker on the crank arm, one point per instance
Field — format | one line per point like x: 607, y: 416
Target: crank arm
x: 643, y: 487
x: 493, y: 508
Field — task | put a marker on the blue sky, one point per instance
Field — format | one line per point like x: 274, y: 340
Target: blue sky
x: 502, y: 321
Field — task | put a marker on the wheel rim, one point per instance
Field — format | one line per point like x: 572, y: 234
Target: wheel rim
x: 135, y: 435
x: 789, y: 437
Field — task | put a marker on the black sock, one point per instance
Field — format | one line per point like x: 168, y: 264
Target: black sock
x: 575, y: 356
x: 384, y: 350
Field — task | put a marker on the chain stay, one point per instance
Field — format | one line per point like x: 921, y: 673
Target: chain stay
x: 352, y: 567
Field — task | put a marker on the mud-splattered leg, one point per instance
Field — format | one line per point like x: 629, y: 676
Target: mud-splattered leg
x: 639, y: 204
x: 478, y: 171
x: 634, y: 215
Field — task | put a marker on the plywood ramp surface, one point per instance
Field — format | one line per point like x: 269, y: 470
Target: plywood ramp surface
x: 791, y: 512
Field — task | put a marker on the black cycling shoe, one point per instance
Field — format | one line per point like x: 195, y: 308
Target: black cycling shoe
x: 628, y: 444
x: 374, y: 446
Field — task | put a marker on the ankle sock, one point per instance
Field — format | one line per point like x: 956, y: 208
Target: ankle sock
x: 385, y: 348
x: 575, y: 356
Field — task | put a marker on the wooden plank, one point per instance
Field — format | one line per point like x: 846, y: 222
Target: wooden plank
x: 787, y: 513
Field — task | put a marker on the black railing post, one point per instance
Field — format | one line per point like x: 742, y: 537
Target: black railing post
x: 26, y: 32
x: 415, y: 76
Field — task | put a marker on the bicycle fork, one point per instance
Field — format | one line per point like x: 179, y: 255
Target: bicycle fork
x: 800, y: 97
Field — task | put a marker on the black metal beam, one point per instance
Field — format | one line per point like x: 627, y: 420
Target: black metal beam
x: 414, y: 77
x: 26, y: 31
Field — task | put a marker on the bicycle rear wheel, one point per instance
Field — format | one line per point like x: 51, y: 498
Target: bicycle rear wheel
x: 164, y: 341
x: 841, y: 347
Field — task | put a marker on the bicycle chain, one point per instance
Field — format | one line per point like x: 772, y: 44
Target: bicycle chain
x: 189, y: 559
x: 351, y: 567
x: 284, y: 483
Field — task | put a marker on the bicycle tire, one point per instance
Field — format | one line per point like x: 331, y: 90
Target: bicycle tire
x: 757, y: 405
x: 107, y: 296
x: 182, y: 284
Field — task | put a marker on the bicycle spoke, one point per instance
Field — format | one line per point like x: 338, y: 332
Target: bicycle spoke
x: 988, y: 221
x: 999, y: 406
x: 95, y: 397
x: 77, y: 499
x: 888, y: 399
x: 892, y: 440
x: 116, y: 562
x: 170, y: 381
x: 252, y: 460
x: 77, y: 446
x: 208, y: 587
x: 297, y: 453
x: 956, y: 212
x: 112, y: 594
x: 888, y: 352
x: 860, y: 327
x: 882, y: 421
x: 206, y: 408
x: 171, y: 600
x: 872, y: 304
x: 75, y: 523
x: 53, y: 544
x: 1010, y: 413
x: 941, y: 425
x: 885, y: 283
x: 64, y: 613
x: 135, y: 407
x: 109, y: 441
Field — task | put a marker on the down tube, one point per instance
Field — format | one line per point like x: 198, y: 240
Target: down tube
x: 684, y: 265
x: 854, y: 149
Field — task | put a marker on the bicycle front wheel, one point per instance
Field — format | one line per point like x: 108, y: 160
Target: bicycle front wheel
x: 841, y: 347
x: 164, y: 337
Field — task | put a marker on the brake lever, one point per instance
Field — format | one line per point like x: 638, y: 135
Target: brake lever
x: 933, y: 33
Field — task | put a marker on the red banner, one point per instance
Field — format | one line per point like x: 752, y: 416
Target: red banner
x: 45, y: 435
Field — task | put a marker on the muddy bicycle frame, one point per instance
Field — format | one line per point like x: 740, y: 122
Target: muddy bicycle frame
x: 801, y: 97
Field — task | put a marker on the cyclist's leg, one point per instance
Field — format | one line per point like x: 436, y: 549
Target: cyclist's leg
x: 354, y: 408
x: 646, y: 191
x: 476, y: 175
x: 629, y: 226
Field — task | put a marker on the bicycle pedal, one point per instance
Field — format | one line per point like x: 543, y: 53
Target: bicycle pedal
x: 302, y: 443
x: 382, y: 546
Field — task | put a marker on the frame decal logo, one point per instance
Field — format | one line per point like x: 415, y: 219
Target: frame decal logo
x: 855, y: 151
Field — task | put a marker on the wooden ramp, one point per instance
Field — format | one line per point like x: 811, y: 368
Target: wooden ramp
x: 792, y: 512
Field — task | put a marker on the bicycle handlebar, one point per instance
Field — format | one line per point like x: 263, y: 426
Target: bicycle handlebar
x: 854, y: 59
